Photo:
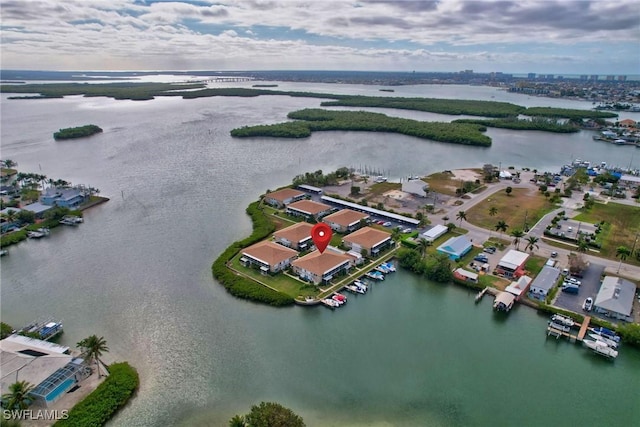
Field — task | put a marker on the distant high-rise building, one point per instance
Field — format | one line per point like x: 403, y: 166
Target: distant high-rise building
x: 610, y: 78
x: 584, y: 77
x: 622, y: 78
x: 550, y: 76
x: 531, y: 75
x: 593, y: 77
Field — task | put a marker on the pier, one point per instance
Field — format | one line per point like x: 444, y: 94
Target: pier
x: 557, y: 333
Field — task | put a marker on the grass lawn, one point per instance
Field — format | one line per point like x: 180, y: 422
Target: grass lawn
x: 442, y: 183
x: 534, y: 264
x: 523, y: 203
x: 279, y: 218
x: 624, y: 223
x: 380, y: 188
x: 280, y: 281
x: 493, y: 281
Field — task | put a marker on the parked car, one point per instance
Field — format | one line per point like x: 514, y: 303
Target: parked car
x: 565, y: 272
x: 481, y: 258
x: 490, y: 250
x: 407, y: 230
x: 387, y: 224
x: 570, y: 289
x: 588, y: 304
x: 574, y: 281
x: 554, y: 254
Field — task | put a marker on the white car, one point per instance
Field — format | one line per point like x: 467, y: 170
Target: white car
x: 574, y: 281
x: 588, y: 304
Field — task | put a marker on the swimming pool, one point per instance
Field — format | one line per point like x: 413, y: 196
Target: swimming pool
x: 56, y: 392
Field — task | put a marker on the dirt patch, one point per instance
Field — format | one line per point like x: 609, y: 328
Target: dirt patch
x: 466, y: 175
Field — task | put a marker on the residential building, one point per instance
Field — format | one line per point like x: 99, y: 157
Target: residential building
x: 37, y: 208
x: 297, y: 236
x: 615, y: 298
x: 544, y: 281
x: 372, y: 211
x: 63, y: 197
x: 321, y: 268
x: 369, y: 239
x: 268, y: 256
x: 504, y: 301
x: 283, y: 197
x: 308, y: 209
x: 455, y: 247
x: 467, y: 276
x: 345, y: 220
x: 627, y: 123
x: 512, y: 264
x: 49, y: 367
x: 519, y: 287
x: 434, y: 232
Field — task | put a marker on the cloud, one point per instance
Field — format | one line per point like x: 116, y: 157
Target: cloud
x: 356, y: 34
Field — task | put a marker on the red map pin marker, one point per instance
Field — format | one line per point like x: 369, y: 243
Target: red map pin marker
x: 321, y: 235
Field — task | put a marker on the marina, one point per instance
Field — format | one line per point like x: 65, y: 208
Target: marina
x: 561, y: 326
x: 43, y: 330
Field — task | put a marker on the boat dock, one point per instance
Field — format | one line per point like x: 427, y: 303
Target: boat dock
x: 555, y: 331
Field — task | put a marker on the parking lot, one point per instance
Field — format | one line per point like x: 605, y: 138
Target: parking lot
x: 589, y: 288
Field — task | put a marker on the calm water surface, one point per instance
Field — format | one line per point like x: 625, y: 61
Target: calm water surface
x: 138, y: 273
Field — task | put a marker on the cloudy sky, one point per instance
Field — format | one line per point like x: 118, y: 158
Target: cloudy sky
x: 570, y: 37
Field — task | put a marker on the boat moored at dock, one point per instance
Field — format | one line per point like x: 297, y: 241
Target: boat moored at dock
x: 601, y: 348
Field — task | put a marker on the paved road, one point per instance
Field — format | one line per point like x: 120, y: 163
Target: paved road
x: 589, y: 288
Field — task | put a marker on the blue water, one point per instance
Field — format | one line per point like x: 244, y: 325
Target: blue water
x: 60, y: 389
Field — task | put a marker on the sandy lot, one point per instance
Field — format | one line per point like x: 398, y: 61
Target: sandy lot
x: 466, y: 174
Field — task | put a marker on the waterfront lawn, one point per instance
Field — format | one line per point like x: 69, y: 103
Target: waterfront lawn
x: 512, y: 209
x: 281, y: 282
x: 534, y: 264
x: 443, y: 183
x: 493, y: 281
x: 624, y: 223
x: 379, y: 188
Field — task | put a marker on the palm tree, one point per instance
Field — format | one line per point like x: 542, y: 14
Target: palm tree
x: 582, y: 245
x: 423, y: 244
x: 532, y: 242
x: 10, y: 216
x: 462, y: 216
x: 623, y: 252
x: 237, y: 421
x: 93, y: 347
x: 517, y: 234
x: 18, y: 396
x: 9, y: 163
x: 493, y: 211
x: 396, y: 233
x: 501, y: 226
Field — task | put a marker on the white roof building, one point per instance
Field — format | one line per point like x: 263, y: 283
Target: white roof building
x: 415, y: 186
x: 615, y: 298
x: 513, y: 259
x: 434, y: 232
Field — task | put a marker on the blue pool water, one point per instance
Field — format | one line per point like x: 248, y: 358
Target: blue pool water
x: 56, y: 392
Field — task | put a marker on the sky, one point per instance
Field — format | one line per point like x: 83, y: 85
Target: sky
x: 560, y: 37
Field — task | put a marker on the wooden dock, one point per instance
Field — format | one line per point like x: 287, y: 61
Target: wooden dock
x: 557, y: 333
x: 583, y: 327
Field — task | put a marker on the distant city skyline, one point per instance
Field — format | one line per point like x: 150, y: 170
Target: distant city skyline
x: 542, y: 37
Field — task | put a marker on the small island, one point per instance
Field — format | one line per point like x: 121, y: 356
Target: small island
x: 77, y: 132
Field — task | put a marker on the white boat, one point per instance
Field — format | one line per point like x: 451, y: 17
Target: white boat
x: 563, y: 320
x: 71, y: 220
x: 330, y: 303
x: 4, y: 252
x: 601, y: 348
x: 611, y: 343
x: 559, y: 327
x: 362, y: 288
x: 352, y: 288
x: 39, y: 233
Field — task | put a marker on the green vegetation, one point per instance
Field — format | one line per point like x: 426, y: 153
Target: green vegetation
x: 620, y: 228
x: 92, y: 348
x: 433, y: 105
x: 268, y: 414
x: 318, y: 179
x: 134, y: 91
x: 98, y: 407
x: 313, y: 119
x: 18, y: 396
x: 536, y: 123
x: 51, y: 220
x: 518, y: 210
x: 5, y: 330
x: 534, y: 265
x: 434, y: 267
x: 77, y: 132
x: 567, y: 113
x: 630, y: 333
x: 243, y: 287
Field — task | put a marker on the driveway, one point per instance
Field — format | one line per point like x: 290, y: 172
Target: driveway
x: 589, y: 288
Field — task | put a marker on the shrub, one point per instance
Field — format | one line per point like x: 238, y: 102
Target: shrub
x: 242, y: 287
x: 99, y: 406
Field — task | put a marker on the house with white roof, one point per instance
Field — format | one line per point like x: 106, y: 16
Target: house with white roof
x: 512, y: 264
x: 615, y: 298
x: 434, y: 232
